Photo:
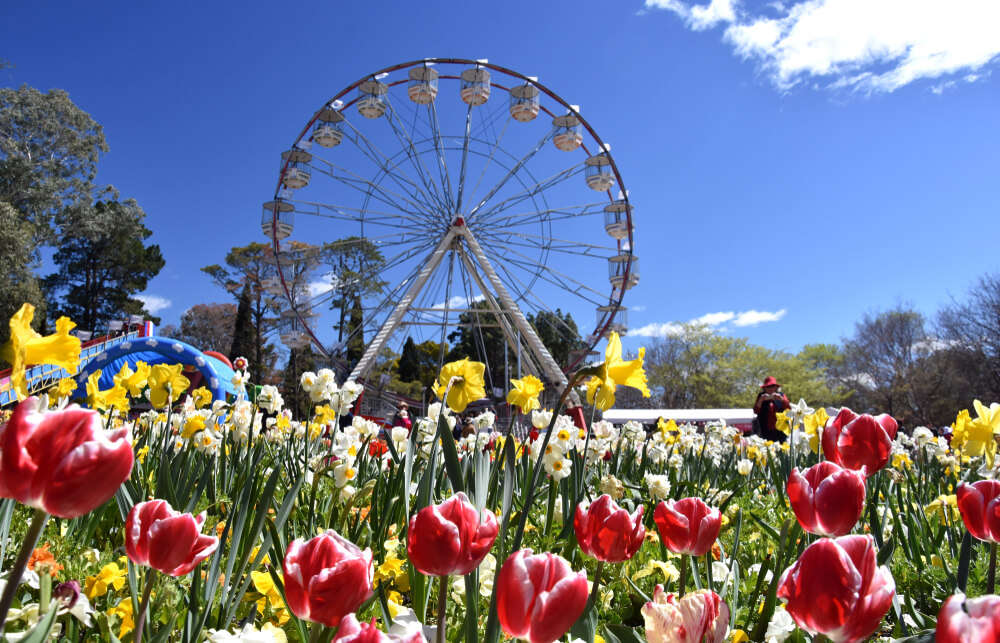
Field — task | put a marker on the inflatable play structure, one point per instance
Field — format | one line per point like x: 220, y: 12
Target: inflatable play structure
x: 109, y: 353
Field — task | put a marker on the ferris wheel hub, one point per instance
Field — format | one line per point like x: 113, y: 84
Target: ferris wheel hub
x: 458, y: 222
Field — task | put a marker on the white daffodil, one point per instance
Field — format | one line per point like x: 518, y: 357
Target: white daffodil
x: 798, y: 411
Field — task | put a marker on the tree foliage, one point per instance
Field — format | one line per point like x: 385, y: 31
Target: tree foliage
x: 300, y: 360
x: 49, y: 149
x: 354, y: 266
x: 206, y: 326
x: 18, y: 283
x: 244, y: 342
x: 102, y: 263
x: 559, y: 334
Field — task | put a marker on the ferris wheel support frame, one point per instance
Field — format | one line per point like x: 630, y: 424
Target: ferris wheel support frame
x: 459, y: 231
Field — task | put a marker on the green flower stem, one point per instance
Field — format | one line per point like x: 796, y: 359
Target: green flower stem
x: 442, y: 613
x: 991, y: 577
x: 140, y: 619
x: 592, y: 601
x: 38, y: 520
x: 684, y: 575
x: 44, y: 592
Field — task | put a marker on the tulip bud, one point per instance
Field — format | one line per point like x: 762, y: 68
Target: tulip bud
x: 699, y: 617
x: 972, y: 620
x: 351, y: 631
x: 62, y: 462
x: 539, y: 597
x: 827, y: 499
x: 836, y: 588
x: 979, y: 504
x: 687, y: 526
x: 326, y: 578
x: 170, y: 541
x: 607, y: 532
x: 450, y: 538
x: 859, y: 442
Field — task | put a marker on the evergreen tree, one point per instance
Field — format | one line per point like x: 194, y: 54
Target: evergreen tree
x: 409, y: 362
x: 243, y: 335
x: 300, y: 360
x: 356, y: 339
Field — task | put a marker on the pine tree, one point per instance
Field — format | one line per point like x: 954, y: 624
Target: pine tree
x: 409, y: 362
x: 243, y: 335
x: 297, y: 400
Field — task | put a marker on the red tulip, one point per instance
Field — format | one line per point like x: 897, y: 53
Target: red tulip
x: 859, y: 441
x: 827, y: 499
x: 837, y: 589
x: 539, y: 597
x: 699, y: 617
x: 377, y: 448
x: 159, y: 537
x: 979, y: 504
x: 688, y: 526
x: 607, y: 532
x: 350, y: 631
x: 326, y: 578
x: 450, y: 538
x: 977, y: 621
x: 62, y: 462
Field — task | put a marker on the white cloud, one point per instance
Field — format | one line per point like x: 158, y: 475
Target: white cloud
x: 862, y: 45
x: 755, y: 317
x: 458, y: 301
x: 657, y: 330
x: 638, y: 309
x: 154, y: 303
x: 324, y: 284
x: 711, y: 320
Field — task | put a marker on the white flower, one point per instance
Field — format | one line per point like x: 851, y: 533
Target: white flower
x: 780, y: 626
x: 249, y: 634
x: 659, y: 486
x: 922, y: 435
x: 540, y: 419
x: 240, y: 379
x: 557, y: 467
x: 344, y: 473
x: 308, y: 381
x: 399, y: 434
x: 798, y: 411
x: 744, y: 466
x: 484, y: 420
x: 270, y: 399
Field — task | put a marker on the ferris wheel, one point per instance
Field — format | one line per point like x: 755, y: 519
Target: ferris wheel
x: 446, y: 193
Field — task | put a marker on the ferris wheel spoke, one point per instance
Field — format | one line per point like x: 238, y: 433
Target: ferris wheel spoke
x: 555, y: 244
x: 411, y: 152
x: 337, y: 213
x: 511, y: 172
x: 379, y: 158
x: 386, y: 196
x: 538, y: 187
x: 550, y: 274
x: 489, y: 159
x: 432, y: 115
x: 465, y: 158
x: 549, y: 214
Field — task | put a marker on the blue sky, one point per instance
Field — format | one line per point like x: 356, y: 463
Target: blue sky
x: 793, y: 165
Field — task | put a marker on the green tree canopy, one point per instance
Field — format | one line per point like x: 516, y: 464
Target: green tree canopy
x: 18, y: 284
x: 102, y: 263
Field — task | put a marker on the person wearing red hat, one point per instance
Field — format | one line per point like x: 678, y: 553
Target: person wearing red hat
x: 770, y: 402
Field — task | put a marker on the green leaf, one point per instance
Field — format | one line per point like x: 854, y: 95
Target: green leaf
x: 41, y: 631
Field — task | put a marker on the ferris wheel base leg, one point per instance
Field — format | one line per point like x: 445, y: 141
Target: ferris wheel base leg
x: 577, y: 414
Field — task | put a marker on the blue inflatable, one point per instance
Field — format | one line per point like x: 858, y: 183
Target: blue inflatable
x: 217, y: 375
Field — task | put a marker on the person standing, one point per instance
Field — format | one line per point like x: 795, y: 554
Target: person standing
x: 770, y: 402
x: 402, y: 417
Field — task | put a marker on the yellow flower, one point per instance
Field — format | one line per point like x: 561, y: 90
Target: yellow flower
x: 166, y: 384
x: 901, y: 461
x: 670, y: 573
x: 28, y: 347
x: 467, y: 387
x: 140, y: 455
x: 945, y: 508
x: 738, y: 636
x: 666, y: 427
x: 123, y: 610
x: 202, y: 397
x: 64, y: 388
x: 782, y: 423
x: 192, y: 425
x: 616, y: 372
x: 136, y: 381
x: 325, y: 415
x: 389, y: 571
x: 815, y: 421
x: 110, y: 576
x: 974, y: 437
x: 524, y: 395
x: 113, y: 397
x: 264, y: 584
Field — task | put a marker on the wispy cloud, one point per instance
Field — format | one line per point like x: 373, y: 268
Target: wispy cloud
x: 154, y: 303
x: 717, y: 321
x: 324, y: 284
x: 459, y: 301
x: 859, y: 45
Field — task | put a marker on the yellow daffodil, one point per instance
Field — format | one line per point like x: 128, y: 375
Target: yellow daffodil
x: 738, y: 636
x: 136, y: 380
x: 975, y: 436
x: 325, y: 414
x: 192, y: 425
x: 390, y: 571
x: 111, y: 575
x: 64, y: 388
x: 166, y: 384
x: 945, y: 508
x: 27, y: 347
x: 782, y: 423
x: 201, y: 397
x: 524, y: 395
x: 264, y: 584
x: 901, y: 461
x: 814, y: 422
x: 669, y: 571
x: 616, y: 372
x: 113, y: 397
x: 467, y: 387
x: 140, y: 455
x: 123, y: 610
x: 666, y: 427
